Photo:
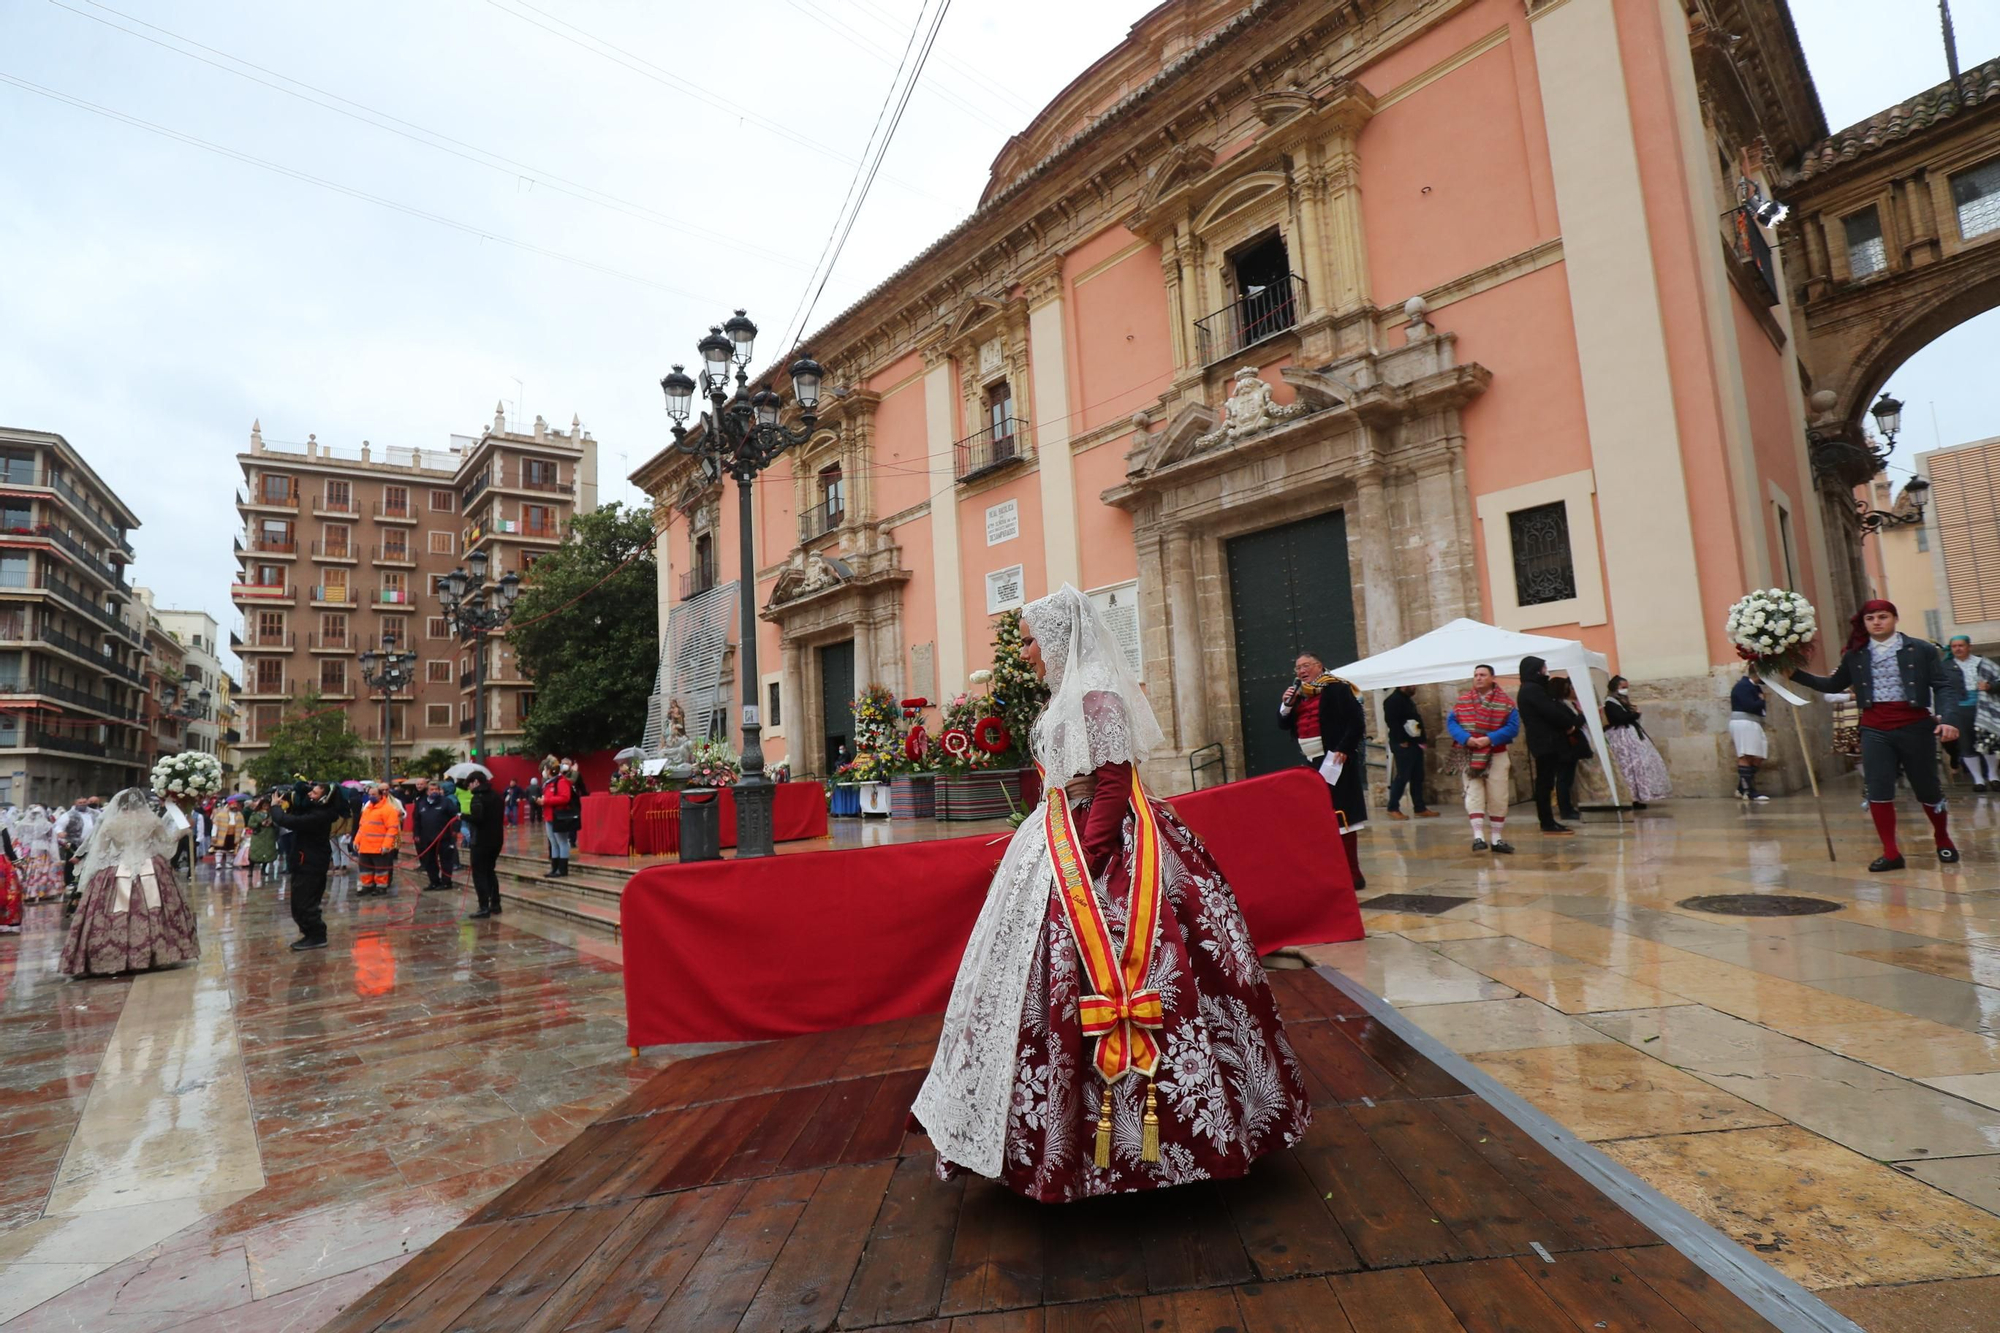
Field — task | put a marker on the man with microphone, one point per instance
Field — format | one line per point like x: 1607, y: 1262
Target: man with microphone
x: 1323, y: 712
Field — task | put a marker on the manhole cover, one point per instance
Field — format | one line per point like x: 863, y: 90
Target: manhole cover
x: 1759, y: 904
x: 1424, y: 904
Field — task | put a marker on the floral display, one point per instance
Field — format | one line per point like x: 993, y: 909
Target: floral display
x: 714, y: 764
x: 1017, y: 693
x: 878, y: 740
x: 188, y: 774
x: 1773, y: 627
x: 991, y: 735
x: 955, y: 743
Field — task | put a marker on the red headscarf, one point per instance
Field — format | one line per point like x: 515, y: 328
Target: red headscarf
x: 1857, y: 628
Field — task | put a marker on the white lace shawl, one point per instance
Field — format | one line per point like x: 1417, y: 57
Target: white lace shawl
x: 127, y: 837
x: 1096, y: 714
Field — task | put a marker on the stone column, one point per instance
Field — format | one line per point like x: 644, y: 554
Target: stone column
x: 1347, y: 252
x: 1183, y: 635
x: 800, y: 748
x: 1378, y: 565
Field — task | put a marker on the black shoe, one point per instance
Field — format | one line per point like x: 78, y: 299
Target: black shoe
x: 1571, y: 814
x: 300, y: 946
x: 1557, y: 831
x: 1360, y: 881
x: 555, y: 869
x: 562, y: 868
x: 1979, y: 786
x: 1479, y: 844
x: 1882, y: 863
x: 1504, y: 848
x: 1638, y: 805
x: 480, y: 915
x: 1948, y: 855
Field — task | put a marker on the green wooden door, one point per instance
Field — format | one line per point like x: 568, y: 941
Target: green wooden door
x: 1290, y: 590
x: 836, y: 700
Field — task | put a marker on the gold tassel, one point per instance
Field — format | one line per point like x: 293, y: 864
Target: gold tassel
x: 1149, y: 1137
x: 1104, y: 1131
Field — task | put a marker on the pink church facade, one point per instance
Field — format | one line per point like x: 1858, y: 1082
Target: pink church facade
x: 1292, y: 327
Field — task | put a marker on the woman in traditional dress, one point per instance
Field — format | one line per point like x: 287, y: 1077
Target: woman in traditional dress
x: 10, y: 898
x: 1080, y: 1057
x: 41, y: 872
x: 1638, y: 759
x: 133, y: 914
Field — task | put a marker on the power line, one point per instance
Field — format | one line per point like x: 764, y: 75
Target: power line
x: 837, y: 240
x: 647, y: 69
x: 862, y: 44
x: 970, y: 73
x: 483, y: 233
x: 500, y: 163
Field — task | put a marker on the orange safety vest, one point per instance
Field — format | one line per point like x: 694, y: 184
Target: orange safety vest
x: 381, y: 827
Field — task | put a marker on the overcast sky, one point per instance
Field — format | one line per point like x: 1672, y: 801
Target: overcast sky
x: 424, y: 208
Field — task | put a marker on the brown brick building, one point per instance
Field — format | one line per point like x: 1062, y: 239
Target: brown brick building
x: 342, y: 549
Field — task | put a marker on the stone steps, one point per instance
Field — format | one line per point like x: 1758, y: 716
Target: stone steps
x: 585, y: 899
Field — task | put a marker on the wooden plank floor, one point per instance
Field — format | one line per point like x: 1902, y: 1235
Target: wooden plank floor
x: 774, y: 1187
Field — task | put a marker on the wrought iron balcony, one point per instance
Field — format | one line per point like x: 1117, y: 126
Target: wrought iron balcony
x: 274, y: 545
x: 990, y: 449
x: 1260, y: 313
x: 325, y: 550
x: 344, y: 508
x: 547, y: 485
x: 40, y: 738
x: 282, y: 640
x: 263, y: 593
x: 1751, y: 251
x: 393, y: 555
x: 822, y: 518
x: 697, y: 581
x: 399, y: 513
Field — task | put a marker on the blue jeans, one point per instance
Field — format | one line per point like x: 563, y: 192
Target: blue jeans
x: 558, y: 843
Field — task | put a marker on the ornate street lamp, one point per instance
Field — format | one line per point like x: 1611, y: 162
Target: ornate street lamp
x: 1888, y: 414
x: 387, y: 671
x: 473, y: 607
x: 740, y: 436
x: 192, y: 707
x: 1874, y: 520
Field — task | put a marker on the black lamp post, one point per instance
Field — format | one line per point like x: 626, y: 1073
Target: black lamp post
x: 740, y: 436
x: 387, y: 671
x: 193, y: 707
x: 1888, y: 414
x: 474, y: 607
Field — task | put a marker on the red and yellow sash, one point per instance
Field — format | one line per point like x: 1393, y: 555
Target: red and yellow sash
x: 1117, y: 1009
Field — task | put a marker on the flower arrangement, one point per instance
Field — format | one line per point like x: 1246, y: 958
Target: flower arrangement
x: 629, y: 781
x: 916, y: 741
x: 878, y: 738
x: 1018, y: 695
x: 190, y: 774
x: 714, y: 764
x: 1773, y: 628
x: 970, y: 725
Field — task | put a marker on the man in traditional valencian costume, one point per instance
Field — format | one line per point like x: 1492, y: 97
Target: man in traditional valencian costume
x: 1323, y: 712
x: 1111, y: 1028
x: 1482, y: 722
x: 1905, y: 693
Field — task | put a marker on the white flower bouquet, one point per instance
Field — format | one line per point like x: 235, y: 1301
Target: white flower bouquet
x: 189, y: 775
x: 1773, y: 628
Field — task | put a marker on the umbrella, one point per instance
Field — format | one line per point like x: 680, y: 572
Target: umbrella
x: 460, y: 772
x: 629, y: 754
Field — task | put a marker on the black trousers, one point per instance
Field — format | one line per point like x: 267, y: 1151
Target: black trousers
x: 1912, y: 750
x: 485, y: 879
x: 1407, y: 771
x: 1546, y: 766
x: 437, y: 869
x: 1566, y: 784
x: 308, y: 889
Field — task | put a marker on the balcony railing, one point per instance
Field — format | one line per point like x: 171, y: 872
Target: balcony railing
x: 93, y: 563
x: 1252, y: 317
x: 822, y: 518
x: 82, y: 507
x: 325, y: 550
x: 261, y: 592
x: 268, y: 688
x: 470, y: 495
x: 392, y: 555
x: 268, y: 642
x: 465, y: 726
x: 696, y: 581
x: 332, y: 508
x: 990, y: 449
x: 1748, y: 247
x: 41, y: 738
x: 337, y: 594
x: 76, y: 601
x: 262, y: 497
x: 401, y: 513
x: 274, y: 545
x: 547, y: 486
x: 391, y: 596
x: 71, y: 695
x: 329, y: 643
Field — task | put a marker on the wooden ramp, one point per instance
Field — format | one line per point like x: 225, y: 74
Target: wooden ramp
x: 774, y: 1187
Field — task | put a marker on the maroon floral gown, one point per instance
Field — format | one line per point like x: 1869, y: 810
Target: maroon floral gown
x: 103, y: 941
x: 1229, y: 1087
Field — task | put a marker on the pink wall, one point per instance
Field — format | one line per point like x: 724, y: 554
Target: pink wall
x: 977, y: 559
x: 1104, y: 534
x: 920, y: 593
x: 902, y: 444
x: 1124, y: 354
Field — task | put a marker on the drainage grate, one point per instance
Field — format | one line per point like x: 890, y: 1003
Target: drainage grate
x: 1759, y: 904
x: 1423, y: 904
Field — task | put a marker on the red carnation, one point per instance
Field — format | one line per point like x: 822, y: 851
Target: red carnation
x: 956, y: 743
x: 990, y: 734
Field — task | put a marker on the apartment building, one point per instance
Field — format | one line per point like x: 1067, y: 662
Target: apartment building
x: 71, y: 662
x: 341, y: 552
x: 159, y: 707
x: 201, y: 695
x: 1961, y: 539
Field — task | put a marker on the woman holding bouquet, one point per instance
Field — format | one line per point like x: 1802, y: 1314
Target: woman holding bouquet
x: 133, y: 914
x: 1905, y: 693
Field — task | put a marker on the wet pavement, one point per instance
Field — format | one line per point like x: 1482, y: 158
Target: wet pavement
x: 252, y: 1141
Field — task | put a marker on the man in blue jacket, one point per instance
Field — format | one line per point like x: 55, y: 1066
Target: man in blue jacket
x: 1746, y: 733
x: 1481, y: 723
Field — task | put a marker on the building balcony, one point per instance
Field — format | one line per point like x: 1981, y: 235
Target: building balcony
x: 470, y: 495
x: 70, y: 695
x: 1262, y: 312
x: 822, y: 519
x: 81, y: 556
x: 40, y: 739
x: 1750, y: 252
x: 391, y: 597
x: 990, y: 450
x: 330, y: 643
x: 280, y: 688
x: 288, y: 547
x: 393, y: 555
x: 282, y: 642
x: 336, y: 693
x: 325, y: 508
x: 285, y: 501
x: 465, y: 726
x: 81, y: 507
x: 545, y: 487
x: 387, y: 513
x: 76, y: 601
x: 697, y: 581
x: 263, y: 594
x: 333, y: 595
x: 344, y: 552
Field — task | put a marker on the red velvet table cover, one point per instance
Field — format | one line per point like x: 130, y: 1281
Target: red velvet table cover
x: 798, y: 810
x: 776, y: 947
x: 607, y: 825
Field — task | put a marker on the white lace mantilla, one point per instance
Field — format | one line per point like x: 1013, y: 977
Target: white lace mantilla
x: 963, y: 1105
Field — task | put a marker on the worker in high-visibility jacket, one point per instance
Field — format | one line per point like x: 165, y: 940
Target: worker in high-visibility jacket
x: 376, y: 836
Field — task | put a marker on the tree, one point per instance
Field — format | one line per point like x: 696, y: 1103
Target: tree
x: 587, y: 636
x: 432, y: 762
x: 311, y: 740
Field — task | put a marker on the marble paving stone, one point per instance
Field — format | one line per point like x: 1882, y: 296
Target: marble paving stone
x: 1981, y: 1088
x: 1500, y: 1025
x: 1579, y: 988
x: 1961, y: 962
x: 25, y: 1285
x: 1435, y: 931
x: 1404, y: 973
x: 1973, y: 1179
x: 1957, y: 1004
x: 1609, y: 1091
x: 1484, y: 955
x: 1820, y: 1214
x: 1961, y: 1305
x: 1772, y: 1001
x: 1913, y: 1047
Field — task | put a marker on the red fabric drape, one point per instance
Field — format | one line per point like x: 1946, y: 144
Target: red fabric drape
x: 607, y: 825
x: 746, y: 950
x: 651, y: 823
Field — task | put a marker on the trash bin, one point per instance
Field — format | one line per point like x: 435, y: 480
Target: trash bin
x: 701, y: 824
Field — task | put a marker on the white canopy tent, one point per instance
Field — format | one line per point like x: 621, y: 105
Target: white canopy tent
x: 1449, y: 653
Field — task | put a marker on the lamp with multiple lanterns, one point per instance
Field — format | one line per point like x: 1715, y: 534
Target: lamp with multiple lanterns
x: 739, y: 436
x: 473, y: 607
x: 387, y: 671
x: 1888, y: 414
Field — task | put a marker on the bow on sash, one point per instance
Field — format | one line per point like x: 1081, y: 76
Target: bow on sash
x: 148, y: 882
x: 1119, y: 1010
